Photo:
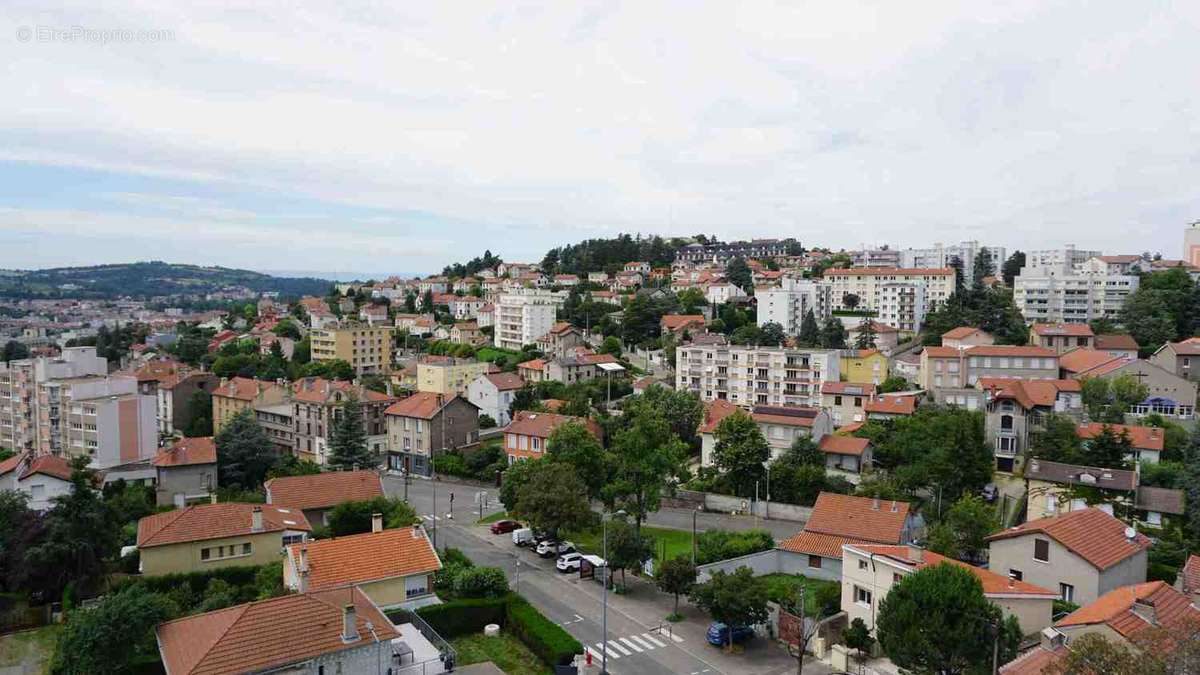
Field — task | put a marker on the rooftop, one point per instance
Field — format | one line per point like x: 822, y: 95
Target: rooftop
x: 1089, y: 533
x: 1118, y: 609
x: 215, y: 521
x: 187, y: 452
x: 359, y: 558
x: 541, y: 424
x: 860, y: 518
x: 324, y: 490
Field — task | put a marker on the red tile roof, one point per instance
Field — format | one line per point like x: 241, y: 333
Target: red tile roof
x: 1010, y: 350
x: 1066, y: 329
x: 12, y: 462
x: 1089, y: 533
x: 993, y: 584
x: 324, y: 490
x: 360, y: 558
x: 815, y: 543
x: 714, y: 412
x: 214, y: 521
x: 1188, y: 347
x: 48, y: 465
x: 892, y: 405
x: 1115, y: 342
x: 859, y: 518
x: 541, y: 425
x: 676, y: 322
x: 1115, y: 608
x: 505, y: 381
x: 1141, y: 438
x: 188, y: 451
x: 268, y: 634
x: 423, y: 405
x: 321, y: 390
x: 533, y: 364
x: 1034, y: 661
x: 793, y: 416
x: 243, y: 388
x: 843, y: 445
x: 1086, y: 360
x: 1028, y: 393
x: 961, y: 332
x: 935, y: 352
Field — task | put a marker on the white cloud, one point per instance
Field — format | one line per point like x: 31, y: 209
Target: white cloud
x: 1029, y: 124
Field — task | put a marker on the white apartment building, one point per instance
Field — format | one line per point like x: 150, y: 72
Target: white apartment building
x: 1065, y: 260
x: 902, y: 305
x: 522, y: 316
x: 787, y: 304
x: 940, y: 255
x: 748, y: 376
x: 868, y: 282
x: 69, y: 406
x: 1048, y: 295
x: 1191, y: 244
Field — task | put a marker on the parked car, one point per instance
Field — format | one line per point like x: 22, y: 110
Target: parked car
x: 568, y: 562
x: 990, y: 492
x: 505, y: 526
x: 551, y: 548
x: 522, y: 536
x: 718, y: 634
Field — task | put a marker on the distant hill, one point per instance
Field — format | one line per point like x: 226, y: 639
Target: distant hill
x: 147, y: 279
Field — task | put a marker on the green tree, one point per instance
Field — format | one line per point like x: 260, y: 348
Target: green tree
x: 13, y: 351
x: 611, y: 345
x: 244, y: 452
x: 968, y: 522
x: 691, y: 301
x: 741, y: 452
x: 574, y: 444
x: 354, y: 517
x: 682, y: 410
x: 867, y: 336
x: 514, y: 480
x: 810, y: 332
x: 893, y: 384
x: 481, y: 582
x: 738, y: 273
x: 645, y: 456
x: 981, y: 268
x: 199, y: 411
x: 1107, y: 449
x: 676, y: 576
x: 1149, y: 321
x: 1012, y: 267
x: 858, y: 637
x: 427, y: 302
x: 348, y: 440
x: 18, y: 525
x: 833, y: 334
x: 627, y: 547
x: 850, y: 301
x: 937, y: 620
x: 554, y: 498
x: 287, y: 328
x: 114, y: 636
x: 771, y: 335
x: 737, y: 599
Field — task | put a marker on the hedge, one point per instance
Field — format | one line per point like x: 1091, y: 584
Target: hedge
x: 543, y: 637
x: 239, y: 577
x: 463, y: 617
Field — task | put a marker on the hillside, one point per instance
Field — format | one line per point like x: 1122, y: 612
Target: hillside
x: 146, y: 279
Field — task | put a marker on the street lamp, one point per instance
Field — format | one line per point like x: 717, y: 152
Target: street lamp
x: 604, y: 518
x: 694, y: 514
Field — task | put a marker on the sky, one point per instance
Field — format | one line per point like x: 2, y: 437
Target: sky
x: 399, y: 137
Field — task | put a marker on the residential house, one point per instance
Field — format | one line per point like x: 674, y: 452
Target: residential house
x: 173, y: 385
x: 1061, y: 337
x: 424, y: 423
x: 597, y: 277
x: 447, y: 375
x: 891, y: 406
x: 1051, y: 487
x: 846, y: 456
x: 966, y: 336
x: 393, y: 567
x: 637, y: 266
x: 845, y: 401
x: 233, y: 395
x: 186, y: 472
x: 41, y: 478
x: 1083, y: 554
x: 1117, y: 345
x: 869, y: 571
x: 465, y: 307
x: 203, y: 537
x: 561, y: 339
x: 317, y: 633
x: 1089, y: 362
x: 1169, y: 395
x: 566, y: 280
x: 678, y: 324
x: 780, y: 426
x: 317, y: 404
x: 415, y: 324
x: 526, y: 435
x: 1015, y: 409
x: 373, y: 315
x: 864, y: 365
x: 432, y: 285
x: 1181, y: 358
x: 721, y: 292
x: 533, y: 370
x: 580, y: 366
x: 837, y: 520
x: 747, y: 375
x: 1188, y: 579
x: 887, y: 337
x: 493, y: 394
x: 1146, y: 442
x: 958, y: 368
x: 317, y: 494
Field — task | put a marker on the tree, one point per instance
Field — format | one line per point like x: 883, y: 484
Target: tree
x: 611, y: 345
x: 574, y: 444
x: 676, y: 576
x: 515, y: 477
x: 892, y: 384
x: 427, y: 302
x: 850, y: 301
x: 741, y: 452
x: 1107, y: 449
x: 867, y: 336
x: 287, y: 328
x: 481, y: 582
x: 981, y: 268
x: 554, y: 498
x: 1149, y: 321
x: 348, y: 440
x: 1012, y: 267
x: 691, y: 300
x: 858, y: 637
x: 645, y: 456
x: 682, y: 410
x: 113, y: 636
x: 14, y: 351
x: 354, y: 517
x: 18, y: 526
x: 736, y: 600
x: 810, y: 332
x: 1057, y: 440
x: 937, y: 620
x: 627, y: 548
x: 738, y: 273
x: 833, y: 334
x: 199, y: 410
x: 244, y: 452
x: 968, y: 522
x: 771, y: 335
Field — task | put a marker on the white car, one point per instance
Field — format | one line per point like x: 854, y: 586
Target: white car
x: 550, y: 548
x: 568, y: 562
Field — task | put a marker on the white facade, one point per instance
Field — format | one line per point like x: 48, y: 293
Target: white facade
x: 491, y: 400
x: 721, y: 293
x: 941, y: 255
x: 40, y: 487
x: 1064, y: 260
x: 749, y: 376
x: 522, y: 317
x: 868, y: 285
x: 902, y: 305
x: 1045, y: 295
x: 788, y: 304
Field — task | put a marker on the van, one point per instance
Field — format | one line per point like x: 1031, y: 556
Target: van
x: 523, y: 536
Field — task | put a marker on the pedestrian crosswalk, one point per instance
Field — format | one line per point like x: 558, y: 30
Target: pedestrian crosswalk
x: 631, y: 645
x: 430, y: 517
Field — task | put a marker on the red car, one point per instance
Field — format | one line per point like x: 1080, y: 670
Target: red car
x: 505, y: 526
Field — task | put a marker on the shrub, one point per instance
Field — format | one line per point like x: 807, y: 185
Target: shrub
x: 463, y: 617
x: 451, y: 463
x: 481, y: 582
x: 544, y: 638
x: 715, y: 545
x: 486, y: 421
x: 355, y: 517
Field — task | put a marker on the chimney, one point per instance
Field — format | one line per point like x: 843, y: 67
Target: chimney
x: 256, y: 521
x: 212, y: 498
x: 916, y: 553
x: 875, y: 504
x: 1012, y: 580
x: 376, y: 522
x: 349, y: 624
x: 416, y: 530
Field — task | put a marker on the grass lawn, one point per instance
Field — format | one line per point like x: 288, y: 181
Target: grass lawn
x: 490, y: 353
x: 667, y: 543
x: 499, y: 515
x: 507, y: 652
x: 31, y: 648
x: 786, y: 586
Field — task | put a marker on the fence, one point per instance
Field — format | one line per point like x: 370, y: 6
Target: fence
x: 690, y: 499
x: 446, y: 653
x: 17, y: 615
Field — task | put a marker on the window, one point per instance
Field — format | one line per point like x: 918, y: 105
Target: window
x: 862, y: 596
x: 246, y: 548
x: 862, y: 564
x: 1006, y: 423
x: 814, y: 561
x: 37, y: 492
x: 1041, y: 550
x: 896, y: 577
x: 205, y: 553
x: 1016, y: 575
x: 1066, y: 592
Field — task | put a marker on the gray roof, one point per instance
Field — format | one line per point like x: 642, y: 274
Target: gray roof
x: 1161, y: 500
x: 1074, y: 474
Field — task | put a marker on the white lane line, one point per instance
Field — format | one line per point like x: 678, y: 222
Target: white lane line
x: 599, y: 652
x: 641, y: 642
x: 595, y: 655
x: 676, y: 638
x: 651, y: 639
x: 631, y: 645
x: 613, y: 644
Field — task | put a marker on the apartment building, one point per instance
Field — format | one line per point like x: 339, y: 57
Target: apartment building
x: 173, y: 385
x: 1053, y: 295
x: 948, y: 367
x: 522, y: 316
x: 424, y: 423
x: 902, y: 304
x: 367, y: 348
x: 317, y: 404
x: 791, y: 301
x: 867, y: 284
x: 70, y: 406
x: 722, y: 253
x: 234, y: 395
x: 751, y: 376
x: 1066, y: 260
x: 940, y: 255
x: 879, y: 257
x: 449, y: 376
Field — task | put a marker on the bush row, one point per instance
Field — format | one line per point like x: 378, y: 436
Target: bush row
x: 545, y: 638
x: 463, y: 617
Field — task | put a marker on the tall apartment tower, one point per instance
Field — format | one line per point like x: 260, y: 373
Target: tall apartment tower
x: 522, y: 317
x: 788, y: 304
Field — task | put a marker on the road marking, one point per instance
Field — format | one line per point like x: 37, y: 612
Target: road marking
x: 577, y: 619
x: 631, y: 645
x: 613, y: 644
x: 651, y: 639
x: 430, y: 517
x: 641, y: 642
x: 596, y: 655
x: 676, y: 638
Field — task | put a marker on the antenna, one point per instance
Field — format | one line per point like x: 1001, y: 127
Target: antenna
x: 1130, y: 533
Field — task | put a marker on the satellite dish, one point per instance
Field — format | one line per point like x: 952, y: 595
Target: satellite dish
x: 1130, y: 533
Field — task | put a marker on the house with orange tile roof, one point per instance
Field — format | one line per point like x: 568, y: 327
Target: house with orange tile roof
x: 394, y: 567
x: 837, y: 520
x: 186, y: 472
x: 424, y: 423
x: 846, y: 455
x: 339, y: 630
x: 173, y: 385
x: 954, y: 368
x: 560, y: 339
x: 869, y: 571
x: 966, y: 336
x: 526, y: 436
x: 1146, y: 442
x: 891, y: 406
x: 1082, y: 554
x: 845, y: 401
x: 1117, y: 345
x: 1188, y: 579
x: 204, y: 537
x: 317, y: 494
x: 678, y: 324
x: 1014, y: 409
x: 779, y: 425
x: 40, y: 477
x: 233, y: 395
x: 533, y: 370
x: 1062, y: 337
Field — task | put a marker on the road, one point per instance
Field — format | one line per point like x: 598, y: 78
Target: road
x: 636, y: 644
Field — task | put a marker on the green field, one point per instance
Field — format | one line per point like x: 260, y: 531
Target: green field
x: 490, y: 353
x: 505, y: 651
x: 667, y: 543
x: 499, y: 515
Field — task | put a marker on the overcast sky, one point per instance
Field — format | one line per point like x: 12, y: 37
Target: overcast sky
x: 407, y: 135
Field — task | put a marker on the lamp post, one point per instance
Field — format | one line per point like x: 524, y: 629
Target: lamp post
x: 694, y: 514
x: 604, y: 518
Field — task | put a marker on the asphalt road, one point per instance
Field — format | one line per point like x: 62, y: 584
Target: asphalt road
x: 636, y: 646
